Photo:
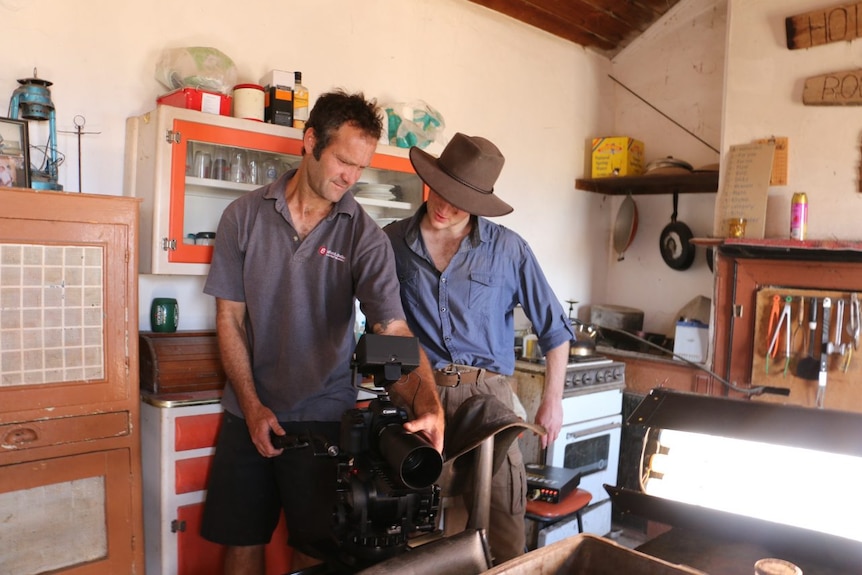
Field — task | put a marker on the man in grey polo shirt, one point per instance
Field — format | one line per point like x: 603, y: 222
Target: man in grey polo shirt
x: 289, y: 261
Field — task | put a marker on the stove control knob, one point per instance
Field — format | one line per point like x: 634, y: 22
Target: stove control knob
x: 588, y: 378
x: 578, y: 379
x: 618, y: 372
x: 601, y: 376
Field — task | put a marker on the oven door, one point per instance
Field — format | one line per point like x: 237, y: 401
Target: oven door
x: 592, y: 448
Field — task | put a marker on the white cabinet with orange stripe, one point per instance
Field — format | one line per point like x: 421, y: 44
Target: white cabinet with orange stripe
x: 178, y: 434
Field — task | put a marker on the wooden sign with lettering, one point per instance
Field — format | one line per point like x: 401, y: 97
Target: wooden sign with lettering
x: 834, y: 89
x: 824, y: 26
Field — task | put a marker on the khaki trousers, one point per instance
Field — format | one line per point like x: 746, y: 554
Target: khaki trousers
x: 509, y: 484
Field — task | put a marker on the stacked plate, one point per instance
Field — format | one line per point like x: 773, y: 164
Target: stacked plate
x: 373, y: 191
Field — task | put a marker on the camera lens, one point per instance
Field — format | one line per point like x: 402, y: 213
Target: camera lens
x: 417, y: 463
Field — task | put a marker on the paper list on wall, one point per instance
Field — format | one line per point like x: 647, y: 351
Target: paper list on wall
x: 779, y: 160
x: 743, y: 195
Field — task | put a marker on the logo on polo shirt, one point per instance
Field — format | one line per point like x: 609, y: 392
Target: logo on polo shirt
x: 325, y: 252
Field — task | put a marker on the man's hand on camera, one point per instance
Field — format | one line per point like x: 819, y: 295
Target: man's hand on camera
x: 429, y: 426
x: 261, y: 420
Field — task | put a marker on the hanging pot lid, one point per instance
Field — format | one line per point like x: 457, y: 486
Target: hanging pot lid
x: 625, y: 227
x: 677, y: 251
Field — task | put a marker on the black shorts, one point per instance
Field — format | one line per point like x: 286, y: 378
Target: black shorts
x: 246, y: 491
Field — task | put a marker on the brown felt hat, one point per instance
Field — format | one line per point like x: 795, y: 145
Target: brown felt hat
x: 464, y: 174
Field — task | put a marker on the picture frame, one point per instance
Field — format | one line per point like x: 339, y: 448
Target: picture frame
x: 14, y: 153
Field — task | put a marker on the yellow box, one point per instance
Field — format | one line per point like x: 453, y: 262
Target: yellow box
x: 617, y: 156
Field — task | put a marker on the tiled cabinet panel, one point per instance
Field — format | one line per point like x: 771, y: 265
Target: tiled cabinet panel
x: 178, y: 437
x: 187, y: 166
x: 70, y: 468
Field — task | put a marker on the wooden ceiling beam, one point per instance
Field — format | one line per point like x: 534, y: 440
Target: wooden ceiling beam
x: 607, y: 25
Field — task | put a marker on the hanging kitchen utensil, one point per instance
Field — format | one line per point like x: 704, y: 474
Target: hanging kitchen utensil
x: 625, y: 227
x: 808, y: 367
x: 677, y: 251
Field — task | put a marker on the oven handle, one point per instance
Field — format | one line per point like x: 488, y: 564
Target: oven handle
x: 592, y: 430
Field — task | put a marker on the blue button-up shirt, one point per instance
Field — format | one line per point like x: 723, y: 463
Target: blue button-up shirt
x: 465, y: 315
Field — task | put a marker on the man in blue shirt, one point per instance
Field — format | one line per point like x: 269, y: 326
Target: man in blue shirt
x: 461, y: 278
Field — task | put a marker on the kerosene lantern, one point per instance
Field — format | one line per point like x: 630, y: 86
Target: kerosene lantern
x: 32, y: 100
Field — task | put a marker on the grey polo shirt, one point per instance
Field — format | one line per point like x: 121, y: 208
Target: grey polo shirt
x: 300, y: 297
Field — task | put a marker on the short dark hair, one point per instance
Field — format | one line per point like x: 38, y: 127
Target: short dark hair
x: 336, y: 108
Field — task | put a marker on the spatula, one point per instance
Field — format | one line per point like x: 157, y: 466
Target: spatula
x: 808, y: 367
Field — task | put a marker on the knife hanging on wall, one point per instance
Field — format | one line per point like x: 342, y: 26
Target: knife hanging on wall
x: 824, y: 353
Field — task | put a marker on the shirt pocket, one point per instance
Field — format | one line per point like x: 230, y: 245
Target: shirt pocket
x: 410, y: 286
x: 484, y: 291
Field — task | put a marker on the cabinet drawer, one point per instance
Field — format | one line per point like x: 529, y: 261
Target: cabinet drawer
x: 47, y: 432
x: 192, y: 474
x: 196, y: 431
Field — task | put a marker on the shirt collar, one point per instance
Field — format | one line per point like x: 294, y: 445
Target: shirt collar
x: 346, y: 205
x: 478, y: 232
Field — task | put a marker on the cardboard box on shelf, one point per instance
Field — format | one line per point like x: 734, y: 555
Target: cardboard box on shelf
x: 617, y: 156
x: 278, y: 106
x: 277, y: 79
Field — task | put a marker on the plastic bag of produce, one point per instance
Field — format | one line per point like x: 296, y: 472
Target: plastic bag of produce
x: 196, y: 67
x: 413, y: 124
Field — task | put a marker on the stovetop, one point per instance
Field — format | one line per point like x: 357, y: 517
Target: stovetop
x: 600, y: 372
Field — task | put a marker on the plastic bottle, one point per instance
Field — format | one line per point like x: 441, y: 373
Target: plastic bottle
x: 300, y: 102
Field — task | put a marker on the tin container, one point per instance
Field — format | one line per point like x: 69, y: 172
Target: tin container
x: 248, y: 102
x: 799, y: 216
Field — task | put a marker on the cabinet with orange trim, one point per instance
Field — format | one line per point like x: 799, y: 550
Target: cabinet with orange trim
x: 178, y: 435
x: 187, y: 166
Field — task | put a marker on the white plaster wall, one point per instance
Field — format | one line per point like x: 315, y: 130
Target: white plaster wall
x: 764, y: 97
x: 677, y: 69
x: 537, y: 97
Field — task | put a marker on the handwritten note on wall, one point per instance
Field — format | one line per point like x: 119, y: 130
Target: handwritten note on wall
x: 743, y: 195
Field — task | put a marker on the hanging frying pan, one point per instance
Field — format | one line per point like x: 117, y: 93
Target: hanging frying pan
x: 677, y: 251
x: 625, y: 227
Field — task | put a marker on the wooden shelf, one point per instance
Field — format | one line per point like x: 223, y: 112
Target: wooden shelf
x: 693, y: 183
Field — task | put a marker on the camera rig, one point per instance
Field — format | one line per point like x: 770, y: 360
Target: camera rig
x: 386, y: 476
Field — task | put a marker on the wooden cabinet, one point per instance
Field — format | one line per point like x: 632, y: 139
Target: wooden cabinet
x: 181, y: 204
x: 645, y: 372
x: 70, y: 469
x: 747, y: 269
x: 178, y: 436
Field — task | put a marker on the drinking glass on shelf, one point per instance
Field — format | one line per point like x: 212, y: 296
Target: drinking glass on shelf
x: 238, y: 166
x: 255, y: 169
x: 202, y: 164
x: 270, y: 170
x: 221, y: 165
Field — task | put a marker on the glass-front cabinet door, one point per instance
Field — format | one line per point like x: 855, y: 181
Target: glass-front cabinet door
x: 187, y: 166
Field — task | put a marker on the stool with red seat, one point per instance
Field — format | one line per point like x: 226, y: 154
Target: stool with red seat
x: 546, y: 514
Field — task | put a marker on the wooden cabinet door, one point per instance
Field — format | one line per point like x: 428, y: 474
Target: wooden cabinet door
x: 79, y: 507
x: 66, y: 313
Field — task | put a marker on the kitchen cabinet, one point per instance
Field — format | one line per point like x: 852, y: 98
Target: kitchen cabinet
x: 183, y: 199
x: 645, y: 372
x: 693, y: 183
x: 748, y: 268
x: 178, y: 435
x: 70, y: 460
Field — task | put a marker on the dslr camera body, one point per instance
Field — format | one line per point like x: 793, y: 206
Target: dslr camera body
x: 386, y: 475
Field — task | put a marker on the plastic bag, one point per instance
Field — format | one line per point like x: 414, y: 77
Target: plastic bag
x: 196, y: 67
x: 413, y: 124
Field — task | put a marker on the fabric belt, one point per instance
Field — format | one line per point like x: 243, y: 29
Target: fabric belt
x: 455, y: 375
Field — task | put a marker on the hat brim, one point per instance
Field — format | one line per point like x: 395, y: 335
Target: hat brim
x: 459, y: 195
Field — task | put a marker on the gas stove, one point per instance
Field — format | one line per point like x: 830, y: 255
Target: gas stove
x: 589, y: 440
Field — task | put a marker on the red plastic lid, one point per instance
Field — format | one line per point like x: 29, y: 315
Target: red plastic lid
x: 251, y: 86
